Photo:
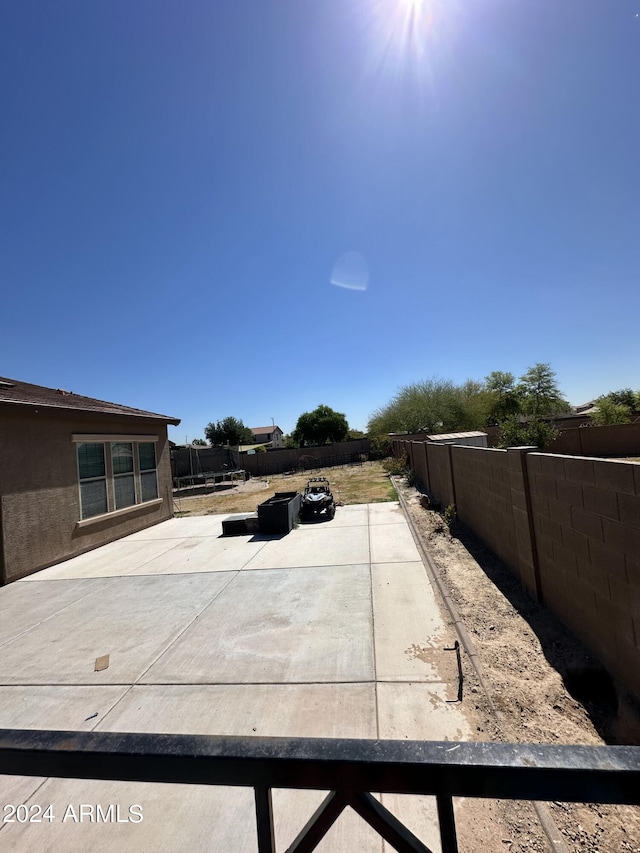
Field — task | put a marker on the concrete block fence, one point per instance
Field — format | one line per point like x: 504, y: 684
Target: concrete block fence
x: 568, y: 526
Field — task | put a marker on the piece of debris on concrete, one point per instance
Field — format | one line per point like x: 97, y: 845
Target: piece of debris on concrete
x: 101, y: 663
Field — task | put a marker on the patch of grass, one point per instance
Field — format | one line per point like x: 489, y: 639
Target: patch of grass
x: 358, y: 484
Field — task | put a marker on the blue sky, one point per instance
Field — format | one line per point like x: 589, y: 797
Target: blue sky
x: 181, y: 183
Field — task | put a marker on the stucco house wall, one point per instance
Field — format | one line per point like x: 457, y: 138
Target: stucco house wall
x: 40, y: 514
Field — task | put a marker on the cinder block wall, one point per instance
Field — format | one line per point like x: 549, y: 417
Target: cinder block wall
x: 40, y: 501
x: 586, y: 518
x: 419, y: 456
x: 483, y: 498
x: 568, y: 526
x: 568, y: 441
x: 612, y: 440
x: 441, y: 473
x: 401, y: 448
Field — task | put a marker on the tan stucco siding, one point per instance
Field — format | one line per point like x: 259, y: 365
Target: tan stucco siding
x: 39, y: 494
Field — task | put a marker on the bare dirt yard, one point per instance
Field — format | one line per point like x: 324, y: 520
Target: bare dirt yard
x: 366, y: 483
x: 543, y: 683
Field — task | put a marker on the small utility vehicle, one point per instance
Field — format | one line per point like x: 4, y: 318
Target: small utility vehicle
x: 317, y: 498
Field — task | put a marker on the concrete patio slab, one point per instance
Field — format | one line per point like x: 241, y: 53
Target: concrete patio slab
x: 74, y: 707
x: 25, y: 605
x: 133, y: 620
x: 419, y: 712
x: 303, y: 710
x: 263, y: 710
x: 203, y: 554
x: 346, y: 516
x: 331, y: 631
x: 392, y: 543
x: 277, y: 626
x: 388, y: 512
x: 196, y: 525
x: 315, y: 545
x: 174, y: 818
x: 16, y: 790
x: 47, y: 707
x: 410, y: 633
x: 112, y: 560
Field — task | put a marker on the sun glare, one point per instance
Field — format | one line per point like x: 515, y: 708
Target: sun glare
x: 404, y: 34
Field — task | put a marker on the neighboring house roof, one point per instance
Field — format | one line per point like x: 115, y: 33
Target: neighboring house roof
x: 263, y: 430
x: 23, y: 394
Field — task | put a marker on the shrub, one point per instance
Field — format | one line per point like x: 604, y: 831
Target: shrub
x: 450, y: 515
x: 396, y: 465
x: 534, y: 432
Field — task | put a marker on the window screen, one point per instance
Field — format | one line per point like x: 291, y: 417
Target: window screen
x: 122, y: 457
x: 93, y: 483
x: 147, y: 455
x: 93, y: 497
x: 148, y: 476
x: 125, y: 490
x: 91, y: 461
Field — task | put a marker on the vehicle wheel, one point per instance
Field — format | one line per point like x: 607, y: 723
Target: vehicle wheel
x: 331, y: 511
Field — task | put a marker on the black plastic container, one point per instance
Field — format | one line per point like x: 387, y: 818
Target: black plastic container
x: 279, y: 513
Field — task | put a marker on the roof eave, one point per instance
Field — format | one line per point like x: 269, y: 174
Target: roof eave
x: 149, y: 416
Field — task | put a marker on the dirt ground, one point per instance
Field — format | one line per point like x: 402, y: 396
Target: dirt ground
x: 542, y: 681
x: 366, y: 483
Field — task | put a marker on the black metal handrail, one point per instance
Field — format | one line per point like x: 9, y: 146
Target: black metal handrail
x: 349, y: 769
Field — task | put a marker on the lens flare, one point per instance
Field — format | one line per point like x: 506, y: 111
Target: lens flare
x: 351, y: 272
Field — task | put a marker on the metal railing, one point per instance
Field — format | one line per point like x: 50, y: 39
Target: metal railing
x: 348, y: 769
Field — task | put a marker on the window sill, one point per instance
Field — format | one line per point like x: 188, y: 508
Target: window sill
x: 107, y: 516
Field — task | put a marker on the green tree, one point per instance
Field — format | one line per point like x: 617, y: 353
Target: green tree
x: 609, y: 412
x: 228, y: 431
x: 505, y: 396
x: 200, y: 442
x: 623, y: 397
x: 432, y: 406
x: 380, y: 446
x: 539, y: 392
x: 470, y: 406
x: 321, y: 426
x: 538, y: 398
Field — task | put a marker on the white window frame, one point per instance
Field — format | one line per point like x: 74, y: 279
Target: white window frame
x: 107, y: 440
x: 133, y: 473
x: 103, y: 478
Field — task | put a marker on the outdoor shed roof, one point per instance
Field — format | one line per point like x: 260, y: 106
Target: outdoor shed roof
x: 14, y: 392
x: 447, y: 436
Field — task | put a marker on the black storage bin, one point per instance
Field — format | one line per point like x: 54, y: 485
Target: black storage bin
x: 279, y: 513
